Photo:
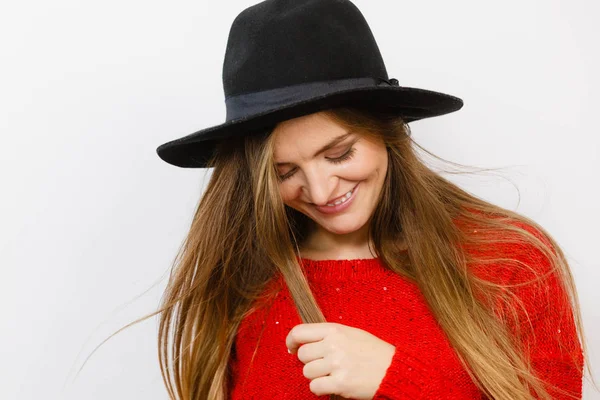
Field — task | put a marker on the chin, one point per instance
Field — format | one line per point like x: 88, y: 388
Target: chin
x: 344, y: 226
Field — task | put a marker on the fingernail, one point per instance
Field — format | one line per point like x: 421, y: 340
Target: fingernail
x: 289, y: 351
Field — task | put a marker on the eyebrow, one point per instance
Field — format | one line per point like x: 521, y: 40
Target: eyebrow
x: 328, y: 146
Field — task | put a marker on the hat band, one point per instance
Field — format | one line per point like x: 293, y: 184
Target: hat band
x: 251, y: 104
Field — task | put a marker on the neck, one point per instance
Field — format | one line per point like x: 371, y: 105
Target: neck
x: 322, y: 244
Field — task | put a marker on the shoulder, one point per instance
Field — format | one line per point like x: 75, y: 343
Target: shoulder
x: 521, y: 260
x: 517, y: 264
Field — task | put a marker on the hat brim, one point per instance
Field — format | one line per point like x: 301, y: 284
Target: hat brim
x: 195, y: 150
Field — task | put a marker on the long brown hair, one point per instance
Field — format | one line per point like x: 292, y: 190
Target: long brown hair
x: 424, y: 228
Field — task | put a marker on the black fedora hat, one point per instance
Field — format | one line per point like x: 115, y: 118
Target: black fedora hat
x: 288, y: 58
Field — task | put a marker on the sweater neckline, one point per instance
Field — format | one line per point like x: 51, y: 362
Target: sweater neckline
x: 323, y: 270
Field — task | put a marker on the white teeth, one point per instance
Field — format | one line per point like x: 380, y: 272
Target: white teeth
x: 343, y: 199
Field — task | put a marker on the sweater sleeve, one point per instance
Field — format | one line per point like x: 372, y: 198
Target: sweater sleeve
x: 548, y: 330
x: 409, y: 376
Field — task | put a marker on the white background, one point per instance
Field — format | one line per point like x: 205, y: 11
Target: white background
x: 91, y: 218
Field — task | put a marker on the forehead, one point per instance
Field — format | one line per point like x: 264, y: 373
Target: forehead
x: 304, y: 135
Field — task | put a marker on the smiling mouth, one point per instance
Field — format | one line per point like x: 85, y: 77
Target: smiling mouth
x: 343, y: 199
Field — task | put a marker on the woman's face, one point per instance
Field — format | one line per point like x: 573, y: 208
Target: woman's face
x: 319, y: 163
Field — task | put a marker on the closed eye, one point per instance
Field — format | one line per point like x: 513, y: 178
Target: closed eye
x: 346, y: 156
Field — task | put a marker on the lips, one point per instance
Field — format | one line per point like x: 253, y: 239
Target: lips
x: 338, y: 207
x: 339, y: 198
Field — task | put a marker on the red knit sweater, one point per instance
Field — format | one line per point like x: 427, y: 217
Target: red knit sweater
x: 363, y: 294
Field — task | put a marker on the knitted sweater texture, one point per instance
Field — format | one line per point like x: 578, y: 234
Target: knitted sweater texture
x: 363, y: 294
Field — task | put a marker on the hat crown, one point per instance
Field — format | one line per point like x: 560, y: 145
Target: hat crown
x: 278, y: 43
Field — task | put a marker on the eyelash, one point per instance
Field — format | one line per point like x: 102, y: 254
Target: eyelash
x: 348, y: 155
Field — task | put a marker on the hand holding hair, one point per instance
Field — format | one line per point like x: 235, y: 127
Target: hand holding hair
x: 340, y: 359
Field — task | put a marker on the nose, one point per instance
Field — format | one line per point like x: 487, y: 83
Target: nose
x: 319, y: 186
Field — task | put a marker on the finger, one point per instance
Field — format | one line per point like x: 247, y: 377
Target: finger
x: 306, y: 333
x: 316, y: 369
x: 323, y: 385
x: 311, y: 351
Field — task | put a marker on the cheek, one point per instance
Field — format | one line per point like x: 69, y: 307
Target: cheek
x: 368, y: 167
x: 382, y: 164
x: 285, y: 193
x: 288, y: 192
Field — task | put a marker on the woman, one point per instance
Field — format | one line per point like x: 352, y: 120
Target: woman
x: 323, y: 232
